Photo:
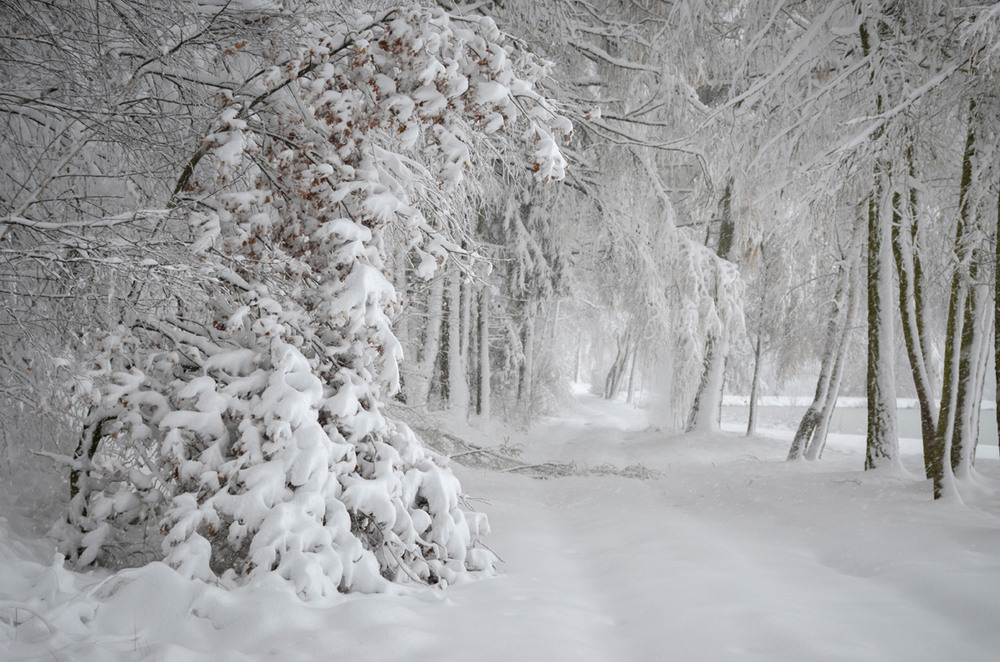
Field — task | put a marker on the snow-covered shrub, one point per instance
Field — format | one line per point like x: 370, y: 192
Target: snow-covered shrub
x: 250, y: 424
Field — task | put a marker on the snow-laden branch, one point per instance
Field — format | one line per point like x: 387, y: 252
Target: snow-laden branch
x: 880, y: 121
x: 106, y: 222
x: 599, y: 54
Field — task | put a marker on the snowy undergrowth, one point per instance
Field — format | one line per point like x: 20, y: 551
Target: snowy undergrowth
x: 731, y: 554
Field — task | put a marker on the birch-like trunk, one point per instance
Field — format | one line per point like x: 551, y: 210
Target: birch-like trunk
x: 630, y: 398
x: 525, y: 391
x: 426, y: 357
x: 616, y: 374
x: 807, y: 426
x: 941, y: 471
x: 882, y: 440
x: 402, y: 325
x: 818, y: 442
x: 996, y: 314
x: 984, y: 351
x: 484, y: 354
x: 458, y: 344
x: 707, y: 406
x: 968, y: 398
x: 905, y: 252
x: 754, y: 387
x: 704, y: 416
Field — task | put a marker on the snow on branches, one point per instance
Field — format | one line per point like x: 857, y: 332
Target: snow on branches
x: 259, y: 419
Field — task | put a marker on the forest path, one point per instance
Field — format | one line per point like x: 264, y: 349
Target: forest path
x: 726, y: 551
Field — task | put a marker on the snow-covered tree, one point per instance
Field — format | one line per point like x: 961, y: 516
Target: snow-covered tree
x: 236, y: 425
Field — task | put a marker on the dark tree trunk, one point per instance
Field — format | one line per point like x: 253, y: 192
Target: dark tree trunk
x: 706, y: 406
x: 940, y: 464
x: 996, y: 313
x: 754, y: 386
x: 905, y: 251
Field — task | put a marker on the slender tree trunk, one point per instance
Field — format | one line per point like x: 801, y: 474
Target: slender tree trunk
x: 525, y: 392
x: 465, y: 344
x: 941, y: 471
x: 984, y: 352
x: 882, y: 441
x: 811, y: 418
x: 818, y: 442
x: 422, y: 375
x: 403, y: 327
x: 579, y: 358
x: 555, y: 321
x: 630, y: 399
x: 484, y: 354
x: 904, y: 252
x: 919, y: 287
x: 967, y: 399
x: 613, y: 382
x: 704, y: 414
x: 754, y: 386
x: 458, y: 343
x: 996, y: 313
x: 705, y: 410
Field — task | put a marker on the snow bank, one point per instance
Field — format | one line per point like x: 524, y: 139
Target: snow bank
x: 731, y: 554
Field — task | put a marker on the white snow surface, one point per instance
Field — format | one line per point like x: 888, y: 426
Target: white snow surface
x: 729, y: 552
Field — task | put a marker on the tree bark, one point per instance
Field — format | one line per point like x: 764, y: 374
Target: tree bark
x: 818, y: 441
x: 968, y: 397
x: 458, y: 387
x: 484, y: 354
x: 910, y: 307
x: 811, y: 418
x: 996, y: 314
x: 525, y: 391
x: 882, y: 441
x: 941, y: 471
x: 705, y: 410
x: 754, y: 387
x: 422, y: 375
x: 613, y: 382
x: 630, y: 399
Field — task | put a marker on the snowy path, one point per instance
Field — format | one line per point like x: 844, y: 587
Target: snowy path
x: 734, y: 554
x: 730, y: 553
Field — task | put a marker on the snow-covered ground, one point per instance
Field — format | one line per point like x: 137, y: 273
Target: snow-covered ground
x: 727, y: 552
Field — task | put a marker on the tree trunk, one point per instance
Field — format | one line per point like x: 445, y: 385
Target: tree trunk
x: 403, y: 326
x: 811, y: 418
x: 818, y: 442
x: 754, y: 386
x: 882, y: 441
x: 705, y: 410
x: 905, y: 252
x: 484, y: 354
x: 704, y: 414
x: 941, y: 471
x: 983, y: 351
x: 968, y: 400
x: 579, y: 358
x: 422, y: 376
x: 613, y: 382
x: 996, y: 314
x: 630, y: 399
x: 465, y: 343
x: 526, y: 388
x: 458, y: 343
